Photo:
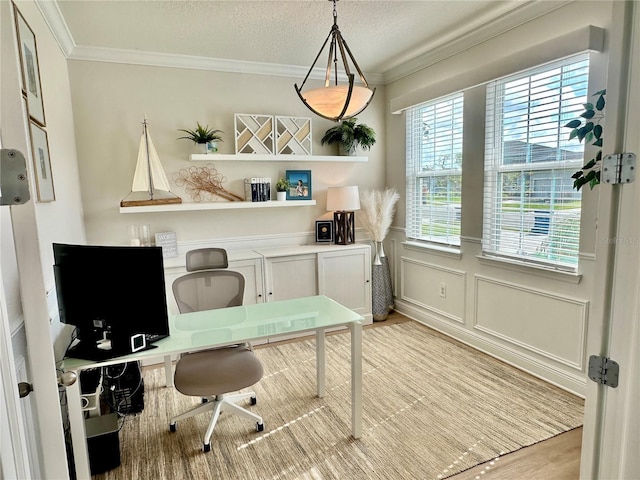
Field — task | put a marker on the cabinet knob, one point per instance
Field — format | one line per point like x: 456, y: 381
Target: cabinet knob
x: 270, y: 293
x: 259, y: 295
x: 367, y: 280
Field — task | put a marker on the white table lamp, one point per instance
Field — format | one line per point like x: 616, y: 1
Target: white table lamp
x: 342, y: 201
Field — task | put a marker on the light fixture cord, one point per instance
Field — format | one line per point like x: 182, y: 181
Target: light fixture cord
x: 335, y: 31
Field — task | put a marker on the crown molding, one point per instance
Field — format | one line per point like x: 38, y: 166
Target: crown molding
x: 155, y: 59
x: 55, y: 21
x: 465, y: 38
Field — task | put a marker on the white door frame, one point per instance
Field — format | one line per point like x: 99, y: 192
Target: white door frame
x: 14, y: 462
x: 611, y: 425
x: 13, y: 445
x: 40, y: 358
x: 620, y: 442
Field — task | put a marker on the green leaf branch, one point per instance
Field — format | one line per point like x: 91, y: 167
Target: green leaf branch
x: 587, y: 129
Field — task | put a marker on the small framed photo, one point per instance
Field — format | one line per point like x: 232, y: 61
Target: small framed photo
x: 30, y: 67
x: 324, y: 231
x: 299, y: 184
x: 41, y: 163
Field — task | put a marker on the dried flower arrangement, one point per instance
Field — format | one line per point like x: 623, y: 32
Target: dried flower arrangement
x: 378, y: 208
x: 204, y: 183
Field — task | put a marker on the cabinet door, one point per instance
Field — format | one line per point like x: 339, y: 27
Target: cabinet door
x: 253, y: 285
x: 292, y: 276
x: 345, y: 276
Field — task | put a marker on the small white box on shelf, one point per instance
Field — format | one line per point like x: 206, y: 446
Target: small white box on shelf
x: 254, y: 133
x: 293, y: 135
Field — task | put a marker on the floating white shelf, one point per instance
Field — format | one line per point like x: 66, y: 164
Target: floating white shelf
x: 185, y: 207
x: 256, y: 157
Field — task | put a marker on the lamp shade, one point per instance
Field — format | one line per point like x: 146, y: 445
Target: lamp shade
x: 343, y: 198
x: 329, y: 102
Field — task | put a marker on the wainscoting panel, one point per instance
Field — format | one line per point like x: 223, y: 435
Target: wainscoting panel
x: 548, y: 324
x: 437, y: 289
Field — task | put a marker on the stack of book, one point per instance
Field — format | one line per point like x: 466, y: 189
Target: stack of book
x: 257, y: 189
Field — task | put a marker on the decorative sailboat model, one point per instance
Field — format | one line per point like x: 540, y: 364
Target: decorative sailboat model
x: 150, y: 184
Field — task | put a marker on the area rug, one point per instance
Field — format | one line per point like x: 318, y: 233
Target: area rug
x: 432, y: 407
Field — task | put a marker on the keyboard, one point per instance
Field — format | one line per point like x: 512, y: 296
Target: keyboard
x: 154, y: 337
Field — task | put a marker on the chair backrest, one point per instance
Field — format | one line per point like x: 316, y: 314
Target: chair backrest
x: 206, y: 259
x: 208, y: 290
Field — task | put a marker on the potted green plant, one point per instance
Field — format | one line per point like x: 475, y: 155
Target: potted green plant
x: 282, y: 185
x: 205, y: 136
x: 349, y: 135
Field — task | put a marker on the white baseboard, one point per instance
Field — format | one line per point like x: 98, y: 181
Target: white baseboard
x: 571, y: 382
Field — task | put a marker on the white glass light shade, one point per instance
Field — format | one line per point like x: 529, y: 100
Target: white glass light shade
x: 343, y: 199
x: 329, y: 101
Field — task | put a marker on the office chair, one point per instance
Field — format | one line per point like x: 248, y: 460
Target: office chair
x: 213, y: 374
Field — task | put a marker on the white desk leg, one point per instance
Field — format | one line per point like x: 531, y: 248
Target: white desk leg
x: 168, y: 371
x: 356, y: 379
x: 78, y: 435
x: 320, y: 362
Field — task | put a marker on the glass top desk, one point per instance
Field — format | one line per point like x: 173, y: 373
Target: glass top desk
x: 190, y: 332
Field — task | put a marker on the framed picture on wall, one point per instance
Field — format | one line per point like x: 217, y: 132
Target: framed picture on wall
x: 299, y: 184
x: 31, y: 86
x: 41, y: 163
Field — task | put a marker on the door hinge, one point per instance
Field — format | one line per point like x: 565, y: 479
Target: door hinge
x: 619, y: 168
x: 604, y: 370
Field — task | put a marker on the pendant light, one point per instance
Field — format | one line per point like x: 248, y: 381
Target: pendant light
x: 337, y: 102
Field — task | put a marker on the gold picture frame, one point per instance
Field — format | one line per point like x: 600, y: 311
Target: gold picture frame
x: 41, y: 163
x: 30, y: 67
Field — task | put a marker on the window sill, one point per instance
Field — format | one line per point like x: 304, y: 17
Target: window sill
x: 523, y: 267
x: 451, y: 252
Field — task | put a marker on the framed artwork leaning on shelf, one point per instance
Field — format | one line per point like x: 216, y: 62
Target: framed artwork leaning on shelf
x: 299, y: 184
x: 324, y: 231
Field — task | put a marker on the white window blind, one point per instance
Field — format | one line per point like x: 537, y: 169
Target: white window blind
x: 434, y: 170
x: 531, y: 211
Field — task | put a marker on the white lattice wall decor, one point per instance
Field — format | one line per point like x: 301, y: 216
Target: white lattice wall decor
x: 293, y: 136
x: 254, y: 133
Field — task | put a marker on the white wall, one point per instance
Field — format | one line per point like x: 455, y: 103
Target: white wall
x: 61, y: 220
x: 109, y: 102
x: 532, y: 319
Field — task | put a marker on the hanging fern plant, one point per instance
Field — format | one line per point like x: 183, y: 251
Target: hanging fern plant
x: 587, y: 128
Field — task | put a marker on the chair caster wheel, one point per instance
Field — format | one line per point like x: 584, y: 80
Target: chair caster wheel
x: 206, y: 447
x: 172, y: 427
x: 254, y: 400
x: 259, y: 427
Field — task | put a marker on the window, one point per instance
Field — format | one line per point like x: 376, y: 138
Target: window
x: 434, y: 170
x: 531, y: 211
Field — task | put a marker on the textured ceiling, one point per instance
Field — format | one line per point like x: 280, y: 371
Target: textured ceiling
x: 381, y: 34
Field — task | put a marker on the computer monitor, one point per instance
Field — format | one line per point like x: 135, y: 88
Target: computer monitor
x: 114, y: 295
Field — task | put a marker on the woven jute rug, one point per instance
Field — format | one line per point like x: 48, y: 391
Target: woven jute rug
x: 432, y: 408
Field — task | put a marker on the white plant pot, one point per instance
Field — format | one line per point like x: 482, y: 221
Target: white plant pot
x: 281, y: 196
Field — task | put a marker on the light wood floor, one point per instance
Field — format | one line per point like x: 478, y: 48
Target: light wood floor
x: 555, y: 459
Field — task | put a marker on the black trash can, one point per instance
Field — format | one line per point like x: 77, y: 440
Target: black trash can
x: 103, y: 443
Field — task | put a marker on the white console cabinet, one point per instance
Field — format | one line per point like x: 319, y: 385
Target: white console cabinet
x: 341, y: 272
